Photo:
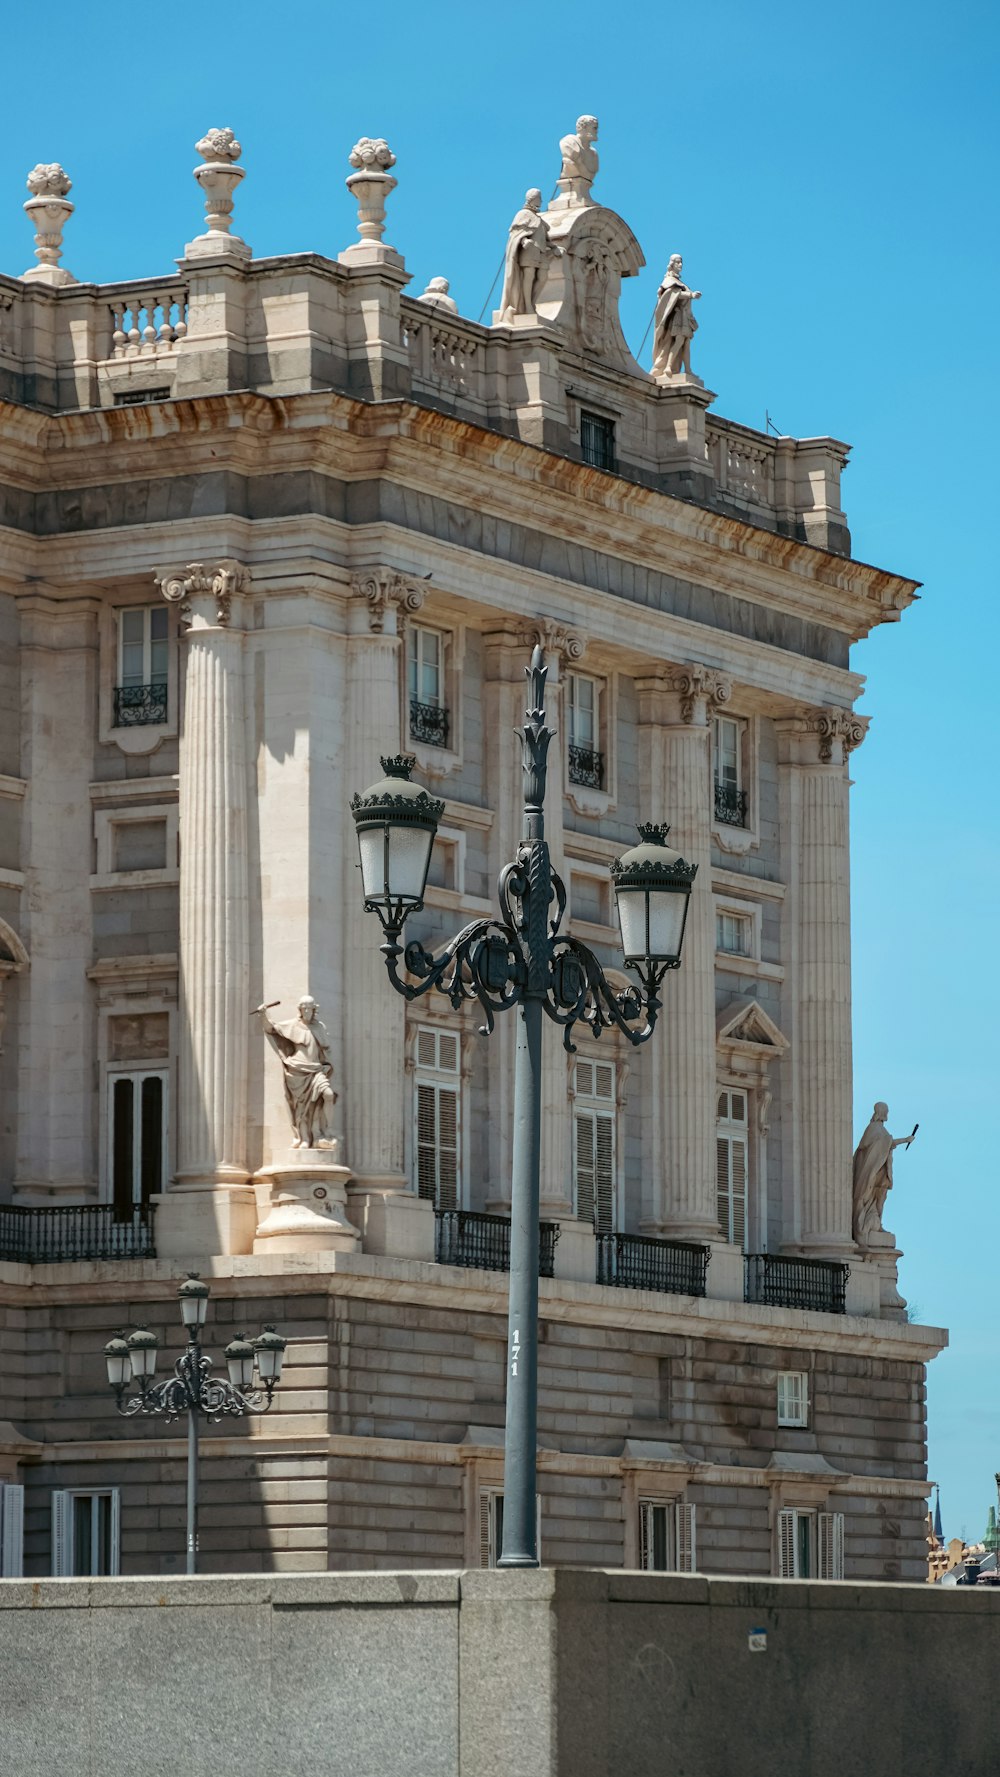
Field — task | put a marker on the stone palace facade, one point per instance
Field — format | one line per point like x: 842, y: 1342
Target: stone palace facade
x: 261, y: 522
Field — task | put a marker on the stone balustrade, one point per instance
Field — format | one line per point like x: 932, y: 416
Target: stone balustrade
x: 146, y: 319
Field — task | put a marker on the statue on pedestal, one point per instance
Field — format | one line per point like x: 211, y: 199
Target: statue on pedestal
x: 303, y: 1046
x: 674, y: 325
x: 579, y: 162
x: 873, y: 1174
x: 526, y: 262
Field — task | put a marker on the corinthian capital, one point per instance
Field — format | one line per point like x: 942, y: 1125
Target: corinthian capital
x: 835, y: 733
x: 386, y: 591
x: 218, y: 584
x: 568, y: 645
x: 700, y: 686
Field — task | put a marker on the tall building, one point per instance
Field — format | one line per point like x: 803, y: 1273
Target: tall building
x: 261, y: 522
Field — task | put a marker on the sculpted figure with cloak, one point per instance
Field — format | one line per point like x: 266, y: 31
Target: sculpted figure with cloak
x: 873, y: 1174
x: 302, y: 1045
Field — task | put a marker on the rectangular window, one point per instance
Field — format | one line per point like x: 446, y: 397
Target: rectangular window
x: 491, y: 1525
x: 143, y: 661
x: 666, y: 1536
x: 734, y: 933
x: 86, y: 1533
x: 138, y: 1140
x: 594, y: 1144
x: 11, y: 1530
x: 597, y: 440
x: 727, y: 752
x: 731, y: 1151
x: 810, y: 1545
x: 437, y: 1117
x: 793, y: 1398
x: 583, y: 707
x: 426, y: 674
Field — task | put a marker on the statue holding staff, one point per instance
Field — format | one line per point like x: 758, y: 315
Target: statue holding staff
x: 302, y: 1045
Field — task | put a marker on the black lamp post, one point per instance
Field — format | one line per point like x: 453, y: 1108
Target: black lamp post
x: 522, y: 960
x: 193, y: 1388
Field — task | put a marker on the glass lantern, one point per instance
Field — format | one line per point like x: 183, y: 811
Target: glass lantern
x: 269, y: 1348
x: 396, y: 822
x: 117, y: 1357
x: 239, y: 1361
x: 652, y: 887
x: 142, y: 1349
x: 193, y: 1295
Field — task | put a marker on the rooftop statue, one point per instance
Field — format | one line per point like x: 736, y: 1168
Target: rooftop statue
x: 303, y: 1047
x: 873, y: 1174
x: 674, y: 325
x: 436, y: 296
x: 579, y: 163
x: 526, y: 263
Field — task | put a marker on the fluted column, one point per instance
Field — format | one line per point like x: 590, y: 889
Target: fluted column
x: 675, y: 716
x: 209, y: 1208
x: 814, y: 750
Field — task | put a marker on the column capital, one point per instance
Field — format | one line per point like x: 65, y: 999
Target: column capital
x: 825, y: 736
x: 204, y: 595
x: 684, y: 696
x: 387, y: 593
x: 568, y: 646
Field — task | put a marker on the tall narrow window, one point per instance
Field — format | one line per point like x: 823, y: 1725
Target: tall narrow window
x: 731, y: 1166
x: 594, y: 1144
x: 143, y: 663
x: 426, y: 670
x: 734, y: 933
x: 437, y: 1108
x: 138, y: 1139
x: 666, y: 1536
x: 585, y: 758
x: 810, y: 1545
x: 86, y: 1533
x: 793, y: 1398
x: 730, y: 796
x: 597, y: 440
x: 11, y: 1530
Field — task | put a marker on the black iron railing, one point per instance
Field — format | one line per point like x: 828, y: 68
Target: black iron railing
x: 138, y: 706
x: 31, y: 1236
x: 780, y: 1282
x: 730, y: 806
x: 586, y: 766
x: 428, y: 723
x: 639, y: 1262
x: 482, y: 1242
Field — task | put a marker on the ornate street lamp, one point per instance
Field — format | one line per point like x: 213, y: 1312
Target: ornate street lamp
x: 522, y: 960
x: 193, y: 1388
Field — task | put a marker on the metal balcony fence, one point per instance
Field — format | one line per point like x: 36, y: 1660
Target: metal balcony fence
x: 780, y: 1282
x: 30, y: 1236
x: 428, y: 723
x: 730, y: 806
x: 586, y: 767
x: 482, y: 1242
x: 640, y: 1262
x: 139, y: 706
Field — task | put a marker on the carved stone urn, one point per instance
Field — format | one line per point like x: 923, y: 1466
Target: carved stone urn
x: 49, y: 211
x: 218, y: 178
x: 370, y: 186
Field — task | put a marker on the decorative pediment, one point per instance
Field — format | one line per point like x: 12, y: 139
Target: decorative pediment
x: 745, y: 1022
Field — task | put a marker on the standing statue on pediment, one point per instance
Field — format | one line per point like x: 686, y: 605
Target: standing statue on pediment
x: 579, y: 162
x: 526, y: 262
x: 674, y: 325
x: 873, y: 1174
x: 302, y: 1045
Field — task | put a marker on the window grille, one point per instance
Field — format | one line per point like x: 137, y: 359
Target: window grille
x: 597, y: 440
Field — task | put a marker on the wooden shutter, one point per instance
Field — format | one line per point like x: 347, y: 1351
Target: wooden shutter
x: 485, y: 1527
x: 830, y: 1540
x: 447, y: 1117
x: 787, y: 1545
x: 731, y: 1182
x: 62, y: 1534
x: 684, y: 1537
x: 645, y: 1534
x: 114, y: 1552
x: 604, y: 1173
x: 11, y: 1530
x: 586, y: 1192
x: 426, y: 1141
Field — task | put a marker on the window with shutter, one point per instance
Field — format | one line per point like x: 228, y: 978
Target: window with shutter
x: 830, y: 1541
x: 437, y: 1118
x: 731, y: 1154
x: 787, y: 1545
x: 654, y: 1535
x: 594, y: 1143
x: 11, y: 1530
x: 491, y: 1525
x: 86, y: 1533
x: 687, y: 1558
x: 793, y: 1398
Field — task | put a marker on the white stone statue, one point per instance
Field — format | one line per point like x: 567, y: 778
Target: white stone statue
x: 873, y: 1174
x: 526, y: 263
x: 579, y: 162
x: 674, y: 325
x: 303, y: 1046
x: 436, y: 295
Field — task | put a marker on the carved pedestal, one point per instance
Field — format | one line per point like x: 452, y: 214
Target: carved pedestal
x: 883, y: 1256
x: 308, y: 1198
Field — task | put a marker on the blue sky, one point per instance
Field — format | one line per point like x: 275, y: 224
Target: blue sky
x: 831, y: 176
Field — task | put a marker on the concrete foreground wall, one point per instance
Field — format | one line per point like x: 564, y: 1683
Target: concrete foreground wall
x: 486, y: 1674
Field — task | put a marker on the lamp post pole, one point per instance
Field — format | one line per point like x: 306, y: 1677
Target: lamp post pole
x: 522, y: 960
x: 254, y: 1373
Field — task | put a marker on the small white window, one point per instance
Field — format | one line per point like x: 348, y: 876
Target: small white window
x: 810, y: 1545
x: 137, y: 1120
x: 491, y: 1525
x: 793, y: 1398
x: 143, y: 665
x: 666, y: 1536
x: 727, y: 771
x: 731, y: 1149
x: 734, y: 933
x: 585, y: 758
x: 437, y: 1117
x: 595, y: 1144
x: 11, y: 1530
x: 86, y: 1533
x: 429, y: 718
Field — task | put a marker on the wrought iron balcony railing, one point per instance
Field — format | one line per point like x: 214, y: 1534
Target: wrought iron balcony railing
x: 780, y: 1282
x: 428, y: 723
x: 730, y: 806
x: 30, y: 1236
x: 482, y: 1242
x: 639, y: 1262
x: 139, y: 706
x: 586, y: 767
